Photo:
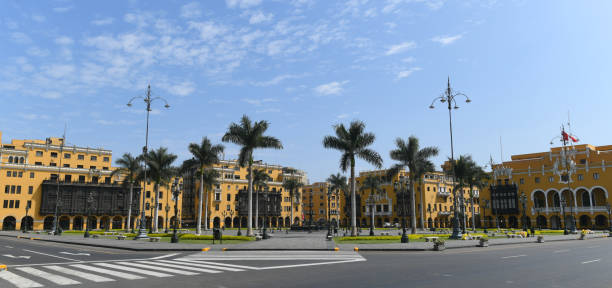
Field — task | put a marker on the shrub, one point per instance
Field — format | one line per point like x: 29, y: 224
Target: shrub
x: 210, y: 237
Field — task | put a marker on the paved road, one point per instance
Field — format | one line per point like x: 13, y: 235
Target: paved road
x: 554, y: 264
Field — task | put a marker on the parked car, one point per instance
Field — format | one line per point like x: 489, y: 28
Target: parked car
x: 389, y: 225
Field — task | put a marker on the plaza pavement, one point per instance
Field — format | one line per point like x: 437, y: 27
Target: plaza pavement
x: 279, y: 241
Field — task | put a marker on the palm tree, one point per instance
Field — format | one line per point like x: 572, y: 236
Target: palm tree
x: 462, y: 169
x: 477, y: 178
x: 209, y: 178
x: 338, y: 183
x: 129, y: 166
x: 372, y: 183
x: 204, y: 155
x: 353, y: 143
x: 160, y: 171
x: 260, y: 182
x: 250, y: 136
x: 293, y: 185
x: 417, y: 160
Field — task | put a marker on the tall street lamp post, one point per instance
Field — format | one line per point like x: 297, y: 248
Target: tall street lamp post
x: 372, y: 203
x: 563, y: 202
x: 90, y: 200
x: 484, y: 214
x: 609, y: 220
x: 167, y: 210
x: 176, y: 192
x: 142, y: 232
x: 151, y: 206
x: 266, y: 213
x: 24, y: 225
x: 329, y: 228
x: 238, y: 215
x: 449, y: 97
x: 523, y: 199
x: 402, y: 187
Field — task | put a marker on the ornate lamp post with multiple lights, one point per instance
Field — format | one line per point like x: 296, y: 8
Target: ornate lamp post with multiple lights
x: 449, y: 97
x: 142, y: 232
x: 24, y: 227
x: 484, y: 214
x: 609, y: 220
x: 329, y: 228
x: 523, y: 200
x: 176, y: 192
x: 402, y: 187
x: 90, y: 200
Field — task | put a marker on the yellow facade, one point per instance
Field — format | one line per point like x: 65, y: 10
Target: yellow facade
x: 541, y: 177
x: 222, y: 200
x: 317, y: 203
x: 26, y: 166
x: 433, y: 199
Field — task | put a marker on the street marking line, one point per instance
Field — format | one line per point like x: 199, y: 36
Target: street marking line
x: 561, y: 251
x: 20, y: 282
x: 591, y: 261
x: 50, y: 255
x: 183, y: 266
x: 205, y: 265
x: 515, y: 256
x: 109, y: 272
x: 164, y: 256
x: 311, y: 264
x: 57, y: 279
x: 163, y: 269
x: 80, y: 274
x: 135, y: 270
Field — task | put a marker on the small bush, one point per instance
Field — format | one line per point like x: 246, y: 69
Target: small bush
x: 210, y: 237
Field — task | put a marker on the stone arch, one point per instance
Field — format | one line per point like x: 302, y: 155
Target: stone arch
x: 64, y: 223
x: 27, y: 223
x: 585, y: 222
x: 287, y: 221
x: 569, y: 221
x: 273, y: 224
x: 553, y: 198
x: 281, y: 222
x: 512, y: 222
x: 555, y: 222
x: 48, y: 223
x: 601, y: 222
x: 77, y: 223
x: 501, y: 221
x: 599, y: 196
x: 539, y: 198
x: 379, y: 222
x: 92, y: 222
x: 10, y: 159
x: 160, y: 222
x: 228, y: 222
x: 541, y: 221
x: 429, y: 223
x: 296, y: 220
x: 569, y: 197
x: 117, y: 222
x: 236, y: 222
x: 216, y: 222
x: 584, y: 197
x: 243, y: 222
x: 9, y: 223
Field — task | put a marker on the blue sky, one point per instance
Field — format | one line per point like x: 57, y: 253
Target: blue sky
x: 305, y: 65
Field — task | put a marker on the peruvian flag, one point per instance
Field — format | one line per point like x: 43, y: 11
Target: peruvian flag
x: 567, y: 137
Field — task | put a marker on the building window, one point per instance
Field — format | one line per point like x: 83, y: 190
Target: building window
x: 52, y: 164
x: 18, y: 189
x: 31, y: 174
x: 81, y: 157
x: 39, y: 153
x: 106, y: 159
x: 16, y: 203
x: 216, y: 207
x: 53, y: 154
x: 68, y: 178
x: 105, y: 168
x: 8, y: 173
x: 67, y: 155
x: 522, y: 181
x: 80, y: 166
x: 148, y: 194
x: 161, y: 194
x: 38, y: 163
x: 7, y: 189
x: 580, y: 177
x: 11, y: 203
x: 66, y: 165
x: 551, y: 179
x: 5, y: 205
x: 596, y: 176
x: 20, y: 175
x: 30, y: 189
x: 14, y: 173
x: 228, y: 207
x: 537, y: 180
x: 13, y: 188
x: 217, y: 195
x: 229, y: 197
x: 93, y: 158
x: 81, y: 179
x: 92, y: 167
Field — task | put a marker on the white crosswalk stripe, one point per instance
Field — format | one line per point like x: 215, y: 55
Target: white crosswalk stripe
x: 169, y: 270
x: 108, y: 272
x: 179, y: 266
x: 18, y: 281
x: 135, y: 270
x: 198, y: 264
x: 84, y: 275
x: 57, y: 279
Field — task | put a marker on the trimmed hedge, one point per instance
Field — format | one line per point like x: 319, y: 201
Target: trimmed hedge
x: 210, y: 237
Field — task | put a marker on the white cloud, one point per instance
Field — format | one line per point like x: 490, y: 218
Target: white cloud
x: 182, y: 89
x: 277, y: 46
x: 38, y: 18
x: 35, y: 51
x: 191, y: 10
x: 343, y: 115
x: 208, y: 30
x: 446, y: 39
x: 20, y: 38
x: 392, y: 6
x: 103, y: 21
x: 51, y: 95
x: 332, y: 88
x: 59, y: 70
x: 408, y: 60
x: 259, y: 102
x: 399, y: 48
x: 242, y: 3
x: 63, y: 40
x: 407, y: 73
x: 62, y: 9
x: 275, y: 81
x: 259, y: 17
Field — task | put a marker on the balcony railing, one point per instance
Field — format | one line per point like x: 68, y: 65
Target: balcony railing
x: 571, y: 209
x: 444, y: 193
x: 444, y: 213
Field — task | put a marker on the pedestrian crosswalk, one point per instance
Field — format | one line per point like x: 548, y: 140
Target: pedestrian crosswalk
x: 82, y: 273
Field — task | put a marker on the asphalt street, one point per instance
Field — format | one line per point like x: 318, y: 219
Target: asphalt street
x: 553, y: 264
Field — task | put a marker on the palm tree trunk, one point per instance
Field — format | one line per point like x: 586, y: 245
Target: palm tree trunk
x: 206, y: 223
x: 291, y: 214
x: 422, y: 206
x: 250, y: 201
x: 257, y: 208
x: 155, y: 216
x: 129, y: 216
x: 472, y: 205
x: 413, y: 206
x: 199, y: 221
x: 353, y: 200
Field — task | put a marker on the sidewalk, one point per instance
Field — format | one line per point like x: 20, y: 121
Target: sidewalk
x: 279, y: 241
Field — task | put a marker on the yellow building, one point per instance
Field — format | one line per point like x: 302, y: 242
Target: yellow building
x: 551, y: 193
x: 317, y: 203
x: 29, y: 173
x: 227, y: 202
x: 433, y: 199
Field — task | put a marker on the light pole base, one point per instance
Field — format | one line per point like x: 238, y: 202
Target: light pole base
x: 174, y: 239
x: 142, y: 234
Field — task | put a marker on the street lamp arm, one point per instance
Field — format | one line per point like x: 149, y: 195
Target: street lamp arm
x: 129, y: 104
x: 160, y: 98
x: 441, y: 98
